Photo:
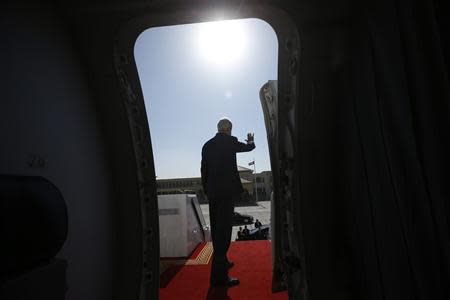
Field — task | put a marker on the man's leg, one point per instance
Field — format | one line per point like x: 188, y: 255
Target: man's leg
x: 228, y: 214
x: 218, y: 220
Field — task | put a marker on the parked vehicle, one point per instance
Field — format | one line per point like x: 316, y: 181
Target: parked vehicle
x: 239, y: 219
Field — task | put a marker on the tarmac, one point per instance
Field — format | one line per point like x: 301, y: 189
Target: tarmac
x: 261, y: 211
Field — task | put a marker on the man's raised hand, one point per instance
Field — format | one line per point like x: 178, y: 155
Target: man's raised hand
x: 250, y: 138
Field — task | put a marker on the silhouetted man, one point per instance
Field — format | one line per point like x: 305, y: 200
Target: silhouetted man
x: 239, y: 233
x: 222, y: 185
x: 258, y: 224
x: 245, y: 232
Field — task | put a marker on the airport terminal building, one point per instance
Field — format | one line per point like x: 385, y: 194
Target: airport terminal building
x: 260, y: 182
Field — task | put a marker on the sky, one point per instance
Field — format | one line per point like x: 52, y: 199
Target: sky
x: 191, y: 76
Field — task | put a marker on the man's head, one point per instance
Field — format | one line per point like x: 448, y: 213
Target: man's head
x: 224, y: 126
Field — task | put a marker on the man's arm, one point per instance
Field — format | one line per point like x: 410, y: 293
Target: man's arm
x: 242, y: 147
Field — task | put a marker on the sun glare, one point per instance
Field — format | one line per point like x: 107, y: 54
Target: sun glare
x: 222, y: 42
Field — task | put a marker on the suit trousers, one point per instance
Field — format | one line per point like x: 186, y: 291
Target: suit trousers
x: 221, y: 209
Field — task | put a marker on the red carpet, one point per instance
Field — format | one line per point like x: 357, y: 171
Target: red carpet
x: 253, y: 267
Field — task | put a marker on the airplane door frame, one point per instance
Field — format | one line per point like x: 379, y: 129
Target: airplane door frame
x: 290, y: 261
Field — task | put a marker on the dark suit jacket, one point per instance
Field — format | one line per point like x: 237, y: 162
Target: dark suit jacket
x: 219, y: 169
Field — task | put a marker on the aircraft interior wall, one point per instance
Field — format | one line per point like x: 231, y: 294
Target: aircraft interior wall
x: 49, y: 128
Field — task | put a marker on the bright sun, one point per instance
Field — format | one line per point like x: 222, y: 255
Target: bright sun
x: 222, y: 42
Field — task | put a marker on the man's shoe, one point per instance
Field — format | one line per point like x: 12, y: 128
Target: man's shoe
x: 232, y: 281
x: 228, y: 282
x: 230, y: 264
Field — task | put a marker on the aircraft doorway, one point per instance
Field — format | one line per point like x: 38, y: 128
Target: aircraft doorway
x: 191, y: 76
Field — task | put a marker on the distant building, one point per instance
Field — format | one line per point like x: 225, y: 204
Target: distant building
x: 264, y: 185
x: 194, y: 185
x: 178, y: 185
